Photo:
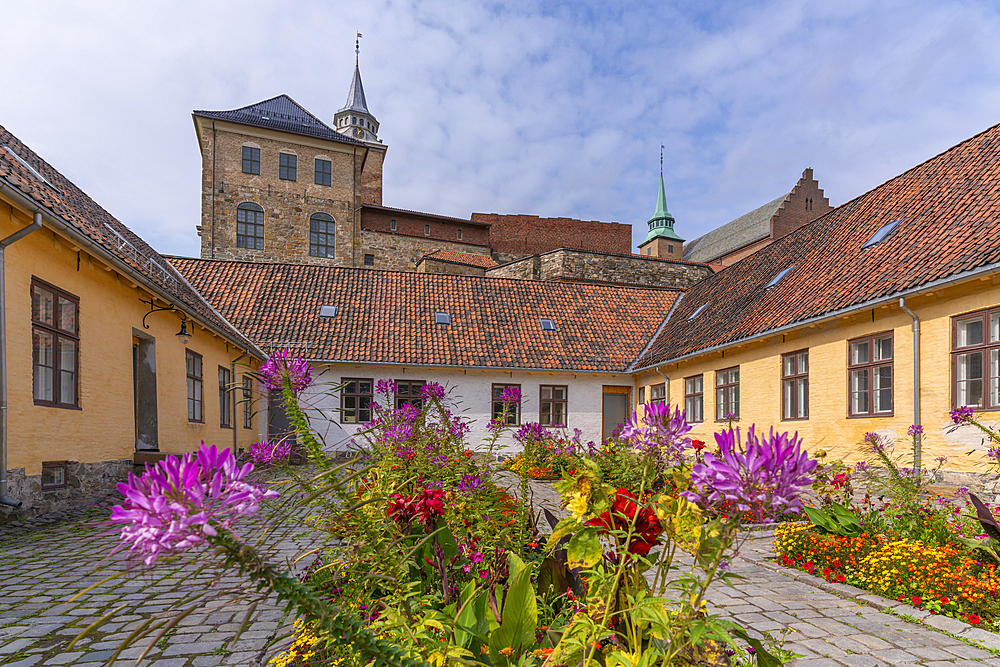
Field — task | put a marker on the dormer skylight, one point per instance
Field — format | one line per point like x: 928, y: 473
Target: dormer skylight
x: 547, y: 324
x: 328, y: 311
x: 697, y: 312
x: 442, y: 318
x: 778, y: 278
x: 882, y: 233
x: 21, y: 161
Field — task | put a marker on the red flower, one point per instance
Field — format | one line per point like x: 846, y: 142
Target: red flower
x: 839, y: 480
x: 840, y: 577
x: 826, y: 572
x: 624, y: 509
x: 427, y: 507
x: 698, y: 445
x: 943, y: 600
x: 916, y: 601
x: 973, y: 618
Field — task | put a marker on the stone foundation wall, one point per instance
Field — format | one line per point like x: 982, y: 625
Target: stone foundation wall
x: 395, y: 252
x: 450, y: 268
x: 579, y: 265
x: 85, y: 482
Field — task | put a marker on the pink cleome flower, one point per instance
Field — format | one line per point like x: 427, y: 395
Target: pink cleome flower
x: 179, y: 502
x: 281, y: 363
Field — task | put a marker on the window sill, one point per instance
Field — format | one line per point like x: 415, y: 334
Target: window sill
x: 199, y: 422
x: 61, y: 406
x: 875, y: 415
x: 795, y: 419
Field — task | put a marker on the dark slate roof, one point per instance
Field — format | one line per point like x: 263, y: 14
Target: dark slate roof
x: 949, y: 212
x: 280, y: 113
x: 388, y: 317
x: 58, y: 194
x: 742, y: 231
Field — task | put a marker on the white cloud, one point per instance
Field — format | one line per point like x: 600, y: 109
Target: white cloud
x: 508, y: 108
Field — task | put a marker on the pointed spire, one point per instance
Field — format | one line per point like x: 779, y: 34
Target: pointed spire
x: 662, y: 223
x: 356, y: 94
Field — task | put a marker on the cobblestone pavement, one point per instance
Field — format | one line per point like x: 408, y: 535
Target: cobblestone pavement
x: 42, y: 568
x: 44, y: 565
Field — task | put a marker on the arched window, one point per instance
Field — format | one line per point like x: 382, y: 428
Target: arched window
x: 322, y: 234
x: 249, y: 226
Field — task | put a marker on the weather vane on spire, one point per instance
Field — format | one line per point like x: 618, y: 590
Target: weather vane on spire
x: 661, y: 158
x: 357, y: 48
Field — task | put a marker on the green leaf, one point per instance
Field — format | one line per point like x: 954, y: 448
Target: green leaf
x: 553, y: 578
x: 520, y: 615
x: 447, y: 541
x: 764, y: 659
x: 563, y: 528
x: 584, y: 549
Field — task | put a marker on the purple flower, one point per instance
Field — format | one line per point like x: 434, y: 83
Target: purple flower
x: 730, y: 416
x: 993, y: 453
x: 962, y: 415
x: 531, y: 432
x: 942, y: 459
x: 386, y: 388
x: 874, y: 442
x: 432, y: 390
x: 470, y: 484
x: 510, y: 396
x: 766, y: 475
x: 180, y: 502
x: 915, y: 430
x: 861, y: 466
x: 264, y: 453
x: 660, y: 434
x: 282, y: 364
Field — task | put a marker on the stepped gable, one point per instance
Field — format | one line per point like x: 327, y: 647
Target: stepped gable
x: 283, y: 114
x: 948, y: 210
x: 387, y: 317
x: 36, y: 179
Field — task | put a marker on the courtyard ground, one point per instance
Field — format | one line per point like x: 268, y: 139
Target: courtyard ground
x: 44, y: 564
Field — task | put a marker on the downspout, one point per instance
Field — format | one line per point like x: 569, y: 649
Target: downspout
x: 13, y: 238
x: 916, y: 379
x: 666, y: 385
x: 214, y: 151
x: 232, y: 374
x: 354, y: 208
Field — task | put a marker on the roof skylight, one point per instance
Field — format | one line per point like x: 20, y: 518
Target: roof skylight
x: 547, y: 324
x: 882, y: 233
x: 328, y: 311
x: 697, y: 312
x: 24, y: 163
x: 778, y: 278
x: 442, y: 318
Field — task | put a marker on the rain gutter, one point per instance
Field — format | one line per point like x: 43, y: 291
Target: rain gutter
x: 35, y: 225
x: 864, y: 305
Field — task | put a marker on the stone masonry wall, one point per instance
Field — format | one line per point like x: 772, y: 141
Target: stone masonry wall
x: 287, y: 204
x: 84, y: 481
x: 513, y: 236
x: 396, y: 252
x: 576, y: 265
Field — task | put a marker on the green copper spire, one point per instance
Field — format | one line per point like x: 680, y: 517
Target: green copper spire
x: 661, y: 225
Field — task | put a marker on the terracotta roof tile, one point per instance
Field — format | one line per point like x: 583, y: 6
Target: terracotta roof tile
x: 76, y: 209
x: 484, y: 261
x: 949, y: 212
x: 388, y: 317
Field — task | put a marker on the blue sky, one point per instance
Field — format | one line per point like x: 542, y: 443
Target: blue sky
x: 555, y: 109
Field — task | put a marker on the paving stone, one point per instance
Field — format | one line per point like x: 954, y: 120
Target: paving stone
x: 816, y: 662
x: 859, y: 661
x: 980, y: 636
x: 946, y: 623
x: 894, y: 656
x: 63, y: 658
x: 16, y: 645
x: 823, y: 647
x: 966, y: 651
x: 26, y: 662
x: 193, y: 648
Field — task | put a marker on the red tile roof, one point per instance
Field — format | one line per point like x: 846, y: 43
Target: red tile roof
x: 949, y: 212
x: 388, y: 317
x: 73, y: 207
x: 484, y: 261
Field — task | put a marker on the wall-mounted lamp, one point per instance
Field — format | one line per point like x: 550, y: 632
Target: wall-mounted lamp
x: 183, y: 334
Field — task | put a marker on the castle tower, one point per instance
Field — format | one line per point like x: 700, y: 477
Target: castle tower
x: 354, y: 119
x: 662, y: 241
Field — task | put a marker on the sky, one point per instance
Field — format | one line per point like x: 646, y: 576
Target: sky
x: 545, y: 108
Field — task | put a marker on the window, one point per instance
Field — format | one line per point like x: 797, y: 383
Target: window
x: 552, y: 405
x: 251, y: 160
x: 442, y: 318
x: 697, y: 311
x: 369, y: 260
x: 53, y: 475
x: 324, y: 172
x: 247, y: 402
x: 55, y: 341
x: 658, y: 393
x: 882, y: 233
x: 459, y: 234
x: 547, y: 324
x: 795, y: 385
x: 670, y: 247
x: 328, y: 311
x: 975, y: 360
x: 356, y: 401
x: 727, y: 394
x: 869, y: 367
x: 322, y: 235
x: 225, y: 398
x: 287, y: 166
x: 642, y: 395
x: 408, y: 393
x: 778, y: 278
x: 427, y: 230
x: 694, y: 398
x: 514, y: 412
x: 249, y: 226
x: 194, y: 379
x: 392, y: 225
